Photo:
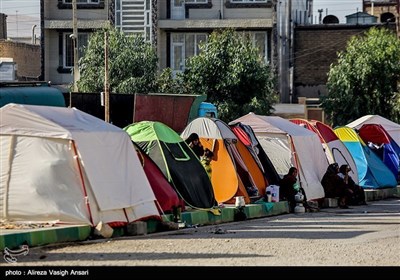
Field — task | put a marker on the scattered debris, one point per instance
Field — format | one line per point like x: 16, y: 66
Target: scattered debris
x: 25, y: 225
x: 103, y: 230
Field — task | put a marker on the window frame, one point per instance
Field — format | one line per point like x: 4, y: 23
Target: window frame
x: 183, y: 47
x: 81, y: 2
x: 88, y: 4
x: 67, y: 39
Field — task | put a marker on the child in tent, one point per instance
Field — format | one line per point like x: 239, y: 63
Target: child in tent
x: 206, y: 161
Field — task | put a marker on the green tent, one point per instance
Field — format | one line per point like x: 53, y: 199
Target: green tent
x: 176, y: 160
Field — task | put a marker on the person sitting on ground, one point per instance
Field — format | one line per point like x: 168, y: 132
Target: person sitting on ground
x: 334, y: 186
x: 206, y: 161
x: 287, y: 189
x: 194, y: 143
x: 358, y: 197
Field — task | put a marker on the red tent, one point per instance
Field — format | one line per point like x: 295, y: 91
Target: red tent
x: 165, y: 194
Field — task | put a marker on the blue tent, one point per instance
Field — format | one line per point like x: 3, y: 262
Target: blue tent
x: 383, y: 146
x: 372, y: 172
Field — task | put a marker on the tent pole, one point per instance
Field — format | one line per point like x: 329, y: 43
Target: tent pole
x: 82, y: 181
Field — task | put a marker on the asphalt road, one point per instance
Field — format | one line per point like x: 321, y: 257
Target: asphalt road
x: 363, y: 236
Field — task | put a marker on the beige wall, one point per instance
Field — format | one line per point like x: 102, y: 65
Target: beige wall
x: 52, y: 60
x: 57, y: 20
x: 52, y: 12
x: 214, y: 11
x: 162, y: 49
x: 26, y: 56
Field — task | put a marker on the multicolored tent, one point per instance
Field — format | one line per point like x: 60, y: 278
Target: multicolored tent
x: 246, y: 135
x: 309, y: 125
x: 392, y: 128
x: 340, y: 153
x: 287, y: 145
x: 383, y: 145
x: 167, y: 198
x: 234, y: 170
x: 176, y: 160
x: 372, y: 172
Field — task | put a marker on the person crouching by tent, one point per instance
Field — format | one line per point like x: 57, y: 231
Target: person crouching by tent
x: 206, y: 161
x: 334, y: 186
x: 194, y: 143
x: 358, y: 196
x: 287, y: 189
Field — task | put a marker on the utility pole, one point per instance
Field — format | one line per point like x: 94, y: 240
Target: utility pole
x: 75, y: 41
x: 106, y: 87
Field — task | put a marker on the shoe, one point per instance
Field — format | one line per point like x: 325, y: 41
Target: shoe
x: 362, y: 203
x: 343, y: 206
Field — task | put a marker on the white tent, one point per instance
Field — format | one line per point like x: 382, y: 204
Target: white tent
x: 61, y: 164
x: 288, y: 144
x: 391, y: 127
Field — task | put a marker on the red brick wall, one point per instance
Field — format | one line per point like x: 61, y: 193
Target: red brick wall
x: 26, y: 56
x: 315, y: 49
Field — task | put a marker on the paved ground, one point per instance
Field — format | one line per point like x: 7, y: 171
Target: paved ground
x: 360, y: 236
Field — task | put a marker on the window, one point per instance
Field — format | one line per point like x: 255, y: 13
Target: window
x: 82, y: 1
x: 249, y: 1
x: 196, y: 1
x: 68, y: 48
x: 81, y: 4
x: 183, y: 46
x: 260, y: 41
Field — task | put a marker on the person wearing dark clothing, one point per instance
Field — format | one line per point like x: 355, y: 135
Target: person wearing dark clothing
x: 358, y: 196
x: 287, y: 190
x: 194, y: 143
x: 334, y: 186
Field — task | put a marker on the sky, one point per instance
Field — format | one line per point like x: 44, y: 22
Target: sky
x: 21, y: 16
x: 339, y: 8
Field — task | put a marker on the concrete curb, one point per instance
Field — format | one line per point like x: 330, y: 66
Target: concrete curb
x: 43, y: 236
x: 12, y: 239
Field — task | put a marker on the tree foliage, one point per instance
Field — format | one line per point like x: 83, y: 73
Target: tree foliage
x: 231, y: 73
x: 366, y: 79
x: 132, y: 64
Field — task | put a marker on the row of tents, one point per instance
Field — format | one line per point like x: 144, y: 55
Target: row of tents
x: 63, y: 165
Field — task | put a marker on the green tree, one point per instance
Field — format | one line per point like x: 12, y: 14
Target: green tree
x: 132, y: 64
x: 167, y: 82
x: 365, y: 79
x: 231, y: 73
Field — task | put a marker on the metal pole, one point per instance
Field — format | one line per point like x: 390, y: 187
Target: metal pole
x: 106, y: 87
x: 75, y: 41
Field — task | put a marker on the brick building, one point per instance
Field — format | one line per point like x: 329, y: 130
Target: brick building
x: 26, y: 56
x: 315, y: 49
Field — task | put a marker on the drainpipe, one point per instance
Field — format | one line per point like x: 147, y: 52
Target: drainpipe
x: 222, y: 10
x: 33, y: 34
